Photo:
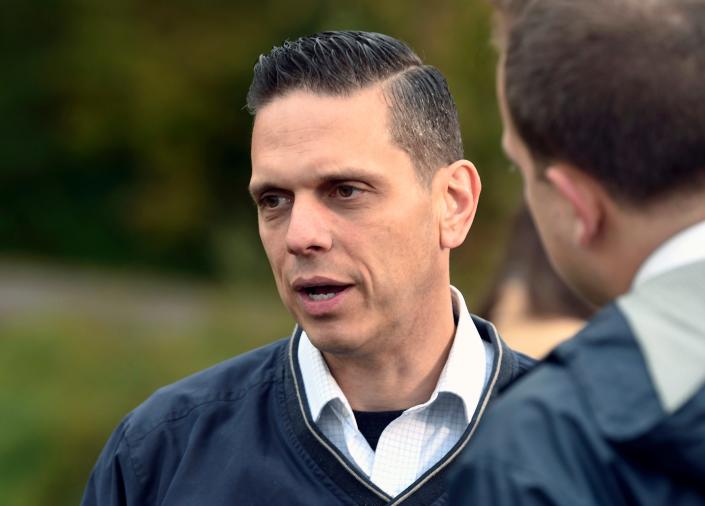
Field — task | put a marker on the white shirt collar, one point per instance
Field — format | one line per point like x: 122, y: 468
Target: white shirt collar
x: 686, y: 247
x: 319, y: 384
x: 462, y: 375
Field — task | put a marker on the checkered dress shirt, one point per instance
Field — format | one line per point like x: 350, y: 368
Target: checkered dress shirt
x: 423, y: 434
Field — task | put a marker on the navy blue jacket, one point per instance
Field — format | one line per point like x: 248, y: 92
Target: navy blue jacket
x: 616, y: 416
x: 241, y: 433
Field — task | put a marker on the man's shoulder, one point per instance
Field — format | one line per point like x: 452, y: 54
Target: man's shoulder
x: 541, y: 442
x: 563, y: 426
x: 521, y: 364
x: 594, y: 379
x: 591, y: 389
x: 528, y: 437
x: 547, y: 390
x: 537, y: 427
x: 512, y: 364
x: 226, y: 383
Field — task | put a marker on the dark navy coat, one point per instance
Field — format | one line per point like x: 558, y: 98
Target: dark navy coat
x: 616, y: 416
x: 240, y: 433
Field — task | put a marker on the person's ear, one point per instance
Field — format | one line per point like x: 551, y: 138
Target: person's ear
x: 583, y: 196
x: 460, y: 192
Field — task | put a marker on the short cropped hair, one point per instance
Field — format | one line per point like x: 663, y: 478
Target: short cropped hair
x: 614, y: 87
x: 423, y: 116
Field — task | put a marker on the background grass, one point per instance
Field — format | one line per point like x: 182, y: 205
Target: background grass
x: 67, y: 380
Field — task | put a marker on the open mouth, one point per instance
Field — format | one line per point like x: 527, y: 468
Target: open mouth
x: 323, y: 292
x: 319, y: 289
x: 320, y: 296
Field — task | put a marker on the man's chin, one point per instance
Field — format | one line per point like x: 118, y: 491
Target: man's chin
x: 330, y: 341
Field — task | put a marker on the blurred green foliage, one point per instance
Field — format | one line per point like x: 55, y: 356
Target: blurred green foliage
x: 123, y: 139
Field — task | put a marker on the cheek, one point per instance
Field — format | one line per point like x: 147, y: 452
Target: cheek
x: 367, y: 246
x: 404, y: 245
x: 539, y: 202
x: 530, y: 197
x: 273, y: 248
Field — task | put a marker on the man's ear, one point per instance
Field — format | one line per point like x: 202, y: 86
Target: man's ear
x: 460, y: 193
x: 583, y: 196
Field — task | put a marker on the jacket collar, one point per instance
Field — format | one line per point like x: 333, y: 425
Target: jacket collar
x: 606, y: 363
x: 506, y: 367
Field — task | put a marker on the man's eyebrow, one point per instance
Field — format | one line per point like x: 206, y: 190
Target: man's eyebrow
x: 324, y: 177
x: 257, y: 189
x: 348, y: 174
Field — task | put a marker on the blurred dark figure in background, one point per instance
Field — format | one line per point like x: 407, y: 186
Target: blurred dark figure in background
x: 362, y: 192
x: 531, y: 306
x: 603, y: 107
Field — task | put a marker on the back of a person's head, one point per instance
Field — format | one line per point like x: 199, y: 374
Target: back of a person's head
x: 423, y: 116
x: 616, y: 88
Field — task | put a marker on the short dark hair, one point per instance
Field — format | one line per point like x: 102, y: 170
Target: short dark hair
x: 614, y: 87
x: 423, y: 116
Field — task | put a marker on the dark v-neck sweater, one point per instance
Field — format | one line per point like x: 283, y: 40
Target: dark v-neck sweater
x: 241, y: 433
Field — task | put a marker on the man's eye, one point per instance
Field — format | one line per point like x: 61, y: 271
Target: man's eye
x: 271, y: 201
x: 345, y: 191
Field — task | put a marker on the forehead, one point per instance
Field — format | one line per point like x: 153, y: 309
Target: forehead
x: 300, y: 117
x: 303, y: 133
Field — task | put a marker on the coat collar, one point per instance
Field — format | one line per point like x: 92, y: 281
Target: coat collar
x: 342, y: 475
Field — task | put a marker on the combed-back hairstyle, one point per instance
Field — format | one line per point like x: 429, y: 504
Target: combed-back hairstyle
x: 423, y: 118
x: 614, y: 87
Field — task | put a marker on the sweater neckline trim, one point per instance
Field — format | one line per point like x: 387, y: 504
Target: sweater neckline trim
x: 343, y: 473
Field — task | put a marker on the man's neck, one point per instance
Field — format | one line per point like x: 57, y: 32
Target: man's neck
x: 683, y: 248
x: 643, y: 232
x: 405, y: 372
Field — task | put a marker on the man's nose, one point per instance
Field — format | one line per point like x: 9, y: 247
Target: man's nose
x: 308, y: 231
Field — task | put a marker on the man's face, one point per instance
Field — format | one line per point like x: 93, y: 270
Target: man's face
x: 547, y: 208
x: 351, y: 233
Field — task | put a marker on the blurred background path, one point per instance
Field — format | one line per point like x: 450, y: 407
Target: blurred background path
x: 28, y: 288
